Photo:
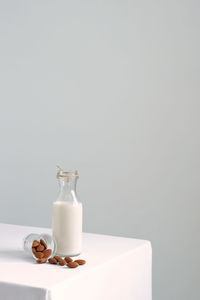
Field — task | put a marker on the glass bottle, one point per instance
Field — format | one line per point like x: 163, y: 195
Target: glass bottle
x: 67, y: 215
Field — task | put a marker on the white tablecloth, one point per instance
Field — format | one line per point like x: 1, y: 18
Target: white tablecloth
x: 117, y: 269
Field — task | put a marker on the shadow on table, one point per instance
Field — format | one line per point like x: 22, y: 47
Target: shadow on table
x: 12, y: 255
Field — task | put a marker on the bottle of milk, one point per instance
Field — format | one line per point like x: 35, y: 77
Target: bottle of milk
x: 67, y: 216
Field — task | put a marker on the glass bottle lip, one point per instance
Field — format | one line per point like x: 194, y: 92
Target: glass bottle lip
x: 66, y: 175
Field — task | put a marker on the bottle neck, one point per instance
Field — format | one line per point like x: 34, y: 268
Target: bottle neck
x: 67, y: 190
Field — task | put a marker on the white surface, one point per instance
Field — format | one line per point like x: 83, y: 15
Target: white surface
x: 111, y: 88
x: 67, y: 227
x: 117, y: 268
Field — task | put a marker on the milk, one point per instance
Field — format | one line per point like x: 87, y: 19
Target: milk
x: 67, y: 227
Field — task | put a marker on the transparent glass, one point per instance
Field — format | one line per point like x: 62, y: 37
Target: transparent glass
x: 47, y: 238
x: 67, y: 215
x: 67, y: 182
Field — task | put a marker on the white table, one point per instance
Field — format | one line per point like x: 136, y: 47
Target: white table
x: 117, y: 269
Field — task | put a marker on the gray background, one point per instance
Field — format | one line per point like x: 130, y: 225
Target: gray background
x: 111, y: 88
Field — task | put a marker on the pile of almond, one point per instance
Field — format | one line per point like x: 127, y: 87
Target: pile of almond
x: 41, y: 251
x: 66, y: 261
x: 42, y: 254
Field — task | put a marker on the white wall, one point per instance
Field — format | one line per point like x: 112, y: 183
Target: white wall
x: 111, y: 88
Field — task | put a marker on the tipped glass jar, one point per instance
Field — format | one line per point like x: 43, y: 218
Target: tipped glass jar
x: 46, y: 239
x: 67, y: 215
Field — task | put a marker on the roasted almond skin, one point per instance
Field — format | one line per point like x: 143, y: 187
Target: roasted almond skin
x: 72, y: 264
x: 57, y: 257
x: 41, y: 261
x: 39, y: 255
x: 42, y: 242
x: 60, y: 260
x: 80, y: 261
x: 35, y: 244
x: 68, y: 259
x: 47, y: 253
x: 40, y: 248
x: 52, y: 261
x: 34, y: 251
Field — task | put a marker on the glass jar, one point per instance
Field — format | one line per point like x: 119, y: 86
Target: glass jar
x: 67, y: 215
x: 47, y: 238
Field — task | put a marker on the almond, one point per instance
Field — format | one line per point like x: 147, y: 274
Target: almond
x: 40, y: 248
x: 72, y: 264
x: 57, y: 257
x: 80, y: 261
x: 60, y: 260
x: 42, y: 242
x: 34, y: 251
x: 68, y: 259
x: 39, y: 255
x: 47, y: 253
x: 41, y: 260
x: 35, y: 244
x: 52, y: 261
